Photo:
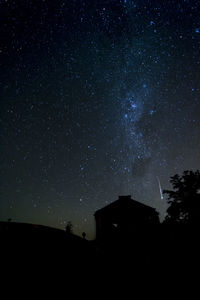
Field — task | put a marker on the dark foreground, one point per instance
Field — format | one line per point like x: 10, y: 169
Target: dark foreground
x: 148, y: 255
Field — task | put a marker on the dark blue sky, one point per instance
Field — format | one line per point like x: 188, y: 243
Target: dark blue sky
x: 98, y: 99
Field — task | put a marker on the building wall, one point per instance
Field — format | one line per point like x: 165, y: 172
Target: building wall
x: 118, y: 222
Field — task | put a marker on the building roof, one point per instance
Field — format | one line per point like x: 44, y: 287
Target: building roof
x: 125, y: 202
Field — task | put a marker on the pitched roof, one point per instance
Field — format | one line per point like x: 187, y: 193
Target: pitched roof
x: 125, y: 202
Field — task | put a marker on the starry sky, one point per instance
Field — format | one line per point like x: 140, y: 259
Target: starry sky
x: 98, y: 99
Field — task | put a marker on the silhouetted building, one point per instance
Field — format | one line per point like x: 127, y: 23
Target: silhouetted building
x: 124, y: 217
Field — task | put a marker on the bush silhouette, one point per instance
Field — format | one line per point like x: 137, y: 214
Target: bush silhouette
x: 69, y: 228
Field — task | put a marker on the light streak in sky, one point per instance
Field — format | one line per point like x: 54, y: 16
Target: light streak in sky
x: 161, y: 193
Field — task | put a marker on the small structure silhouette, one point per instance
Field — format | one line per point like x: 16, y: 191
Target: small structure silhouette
x: 83, y: 235
x: 123, y: 217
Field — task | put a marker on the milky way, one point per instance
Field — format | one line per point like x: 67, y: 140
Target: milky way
x: 98, y: 99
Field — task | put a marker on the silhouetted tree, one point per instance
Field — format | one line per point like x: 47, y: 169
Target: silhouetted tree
x: 184, y: 200
x: 69, y: 227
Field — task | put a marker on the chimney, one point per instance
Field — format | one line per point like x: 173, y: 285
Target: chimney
x: 125, y: 197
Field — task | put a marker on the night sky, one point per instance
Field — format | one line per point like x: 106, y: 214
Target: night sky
x: 98, y: 99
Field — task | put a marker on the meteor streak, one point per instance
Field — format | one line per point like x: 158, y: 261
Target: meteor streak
x: 161, y: 194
